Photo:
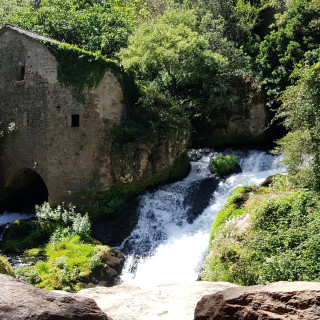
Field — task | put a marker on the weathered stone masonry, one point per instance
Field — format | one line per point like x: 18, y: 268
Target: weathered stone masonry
x: 56, y: 136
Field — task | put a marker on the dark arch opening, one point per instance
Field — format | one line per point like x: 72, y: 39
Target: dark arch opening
x: 24, y: 190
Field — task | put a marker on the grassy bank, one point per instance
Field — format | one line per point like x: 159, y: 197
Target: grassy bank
x: 271, y: 236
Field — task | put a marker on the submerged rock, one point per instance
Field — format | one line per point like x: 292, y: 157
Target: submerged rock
x: 19, y: 300
x: 279, y: 300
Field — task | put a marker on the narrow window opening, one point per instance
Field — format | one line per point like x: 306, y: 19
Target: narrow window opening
x: 22, y: 73
x: 75, y: 120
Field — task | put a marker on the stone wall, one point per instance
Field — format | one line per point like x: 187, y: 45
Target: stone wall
x: 249, y: 123
x: 67, y: 143
x: 65, y: 156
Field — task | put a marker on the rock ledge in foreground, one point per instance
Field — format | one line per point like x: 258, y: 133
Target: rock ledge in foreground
x: 276, y: 301
x: 19, y: 300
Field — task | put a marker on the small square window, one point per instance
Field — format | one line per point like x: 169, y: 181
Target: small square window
x: 75, y: 120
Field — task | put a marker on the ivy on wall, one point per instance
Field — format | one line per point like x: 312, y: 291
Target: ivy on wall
x: 79, y: 69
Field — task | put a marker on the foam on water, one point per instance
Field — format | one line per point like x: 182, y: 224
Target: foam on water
x: 164, y: 247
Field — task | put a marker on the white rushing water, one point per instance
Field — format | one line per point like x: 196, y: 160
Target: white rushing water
x: 167, y: 246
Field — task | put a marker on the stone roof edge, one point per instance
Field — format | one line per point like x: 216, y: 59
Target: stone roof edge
x: 27, y: 33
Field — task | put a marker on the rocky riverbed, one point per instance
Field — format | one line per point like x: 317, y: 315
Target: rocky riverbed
x: 190, y: 301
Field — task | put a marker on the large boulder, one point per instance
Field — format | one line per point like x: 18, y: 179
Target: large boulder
x: 276, y: 301
x: 19, y: 300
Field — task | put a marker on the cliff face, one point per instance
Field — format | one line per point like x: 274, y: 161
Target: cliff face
x: 247, y: 123
x: 132, y: 163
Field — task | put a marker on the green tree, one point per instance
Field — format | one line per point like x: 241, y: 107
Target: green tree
x: 301, y: 110
x: 94, y: 25
x: 178, y: 76
x: 295, y: 35
x: 9, y: 9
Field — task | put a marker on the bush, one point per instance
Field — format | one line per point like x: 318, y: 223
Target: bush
x: 231, y: 209
x: 69, y: 265
x: 224, y: 165
x: 55, y: 223
x: 26, y: 234
x: 64, y: 221
x: 279, y: 243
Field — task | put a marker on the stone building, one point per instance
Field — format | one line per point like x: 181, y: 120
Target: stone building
x: 49, y: 137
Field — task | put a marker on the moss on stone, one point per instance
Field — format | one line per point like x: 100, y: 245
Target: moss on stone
x: 224, y: 165
x: 5, y: 267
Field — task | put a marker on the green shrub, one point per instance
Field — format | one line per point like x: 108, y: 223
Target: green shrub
x: 280, y: 241
x: 224, y: 165
x: 55, y: 223
x: 5, y: 267
x: 68, y: 263
x: 64, y: 221
x: 231, y: 209
x: 26, y: 234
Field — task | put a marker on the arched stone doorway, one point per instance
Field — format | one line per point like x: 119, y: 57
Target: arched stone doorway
x: 24, y: 189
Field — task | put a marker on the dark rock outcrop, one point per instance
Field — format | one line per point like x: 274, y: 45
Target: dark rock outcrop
x: 276, y: 301
x: 109, y: 270
x: 19, y: 300
x: 199, y: 196
x: 269, y: 180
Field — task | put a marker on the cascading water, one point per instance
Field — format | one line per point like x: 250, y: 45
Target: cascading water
x: 170, y: 239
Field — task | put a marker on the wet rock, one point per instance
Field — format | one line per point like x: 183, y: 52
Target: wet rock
x: 276, y: 301
x: 108, y: 272
x: 19, y: 300
x: 113, y: 232
x: 199, y: 196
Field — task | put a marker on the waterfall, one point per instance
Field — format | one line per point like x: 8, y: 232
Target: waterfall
x: 170, y: 239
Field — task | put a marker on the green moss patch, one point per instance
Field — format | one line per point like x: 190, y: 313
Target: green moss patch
x: 224, y: 165
x: 5, y: 267
x: 68, y: 265
x: 79, y: 70
x: 231, y: 209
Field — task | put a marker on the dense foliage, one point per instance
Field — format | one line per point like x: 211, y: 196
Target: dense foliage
x: 177, y: 74
x: 301, y: 147
x: 276, y: 238
x: 94, y: 25
x: 295, y: 38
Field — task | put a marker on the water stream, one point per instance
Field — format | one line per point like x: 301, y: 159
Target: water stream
x: 170, y: 239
